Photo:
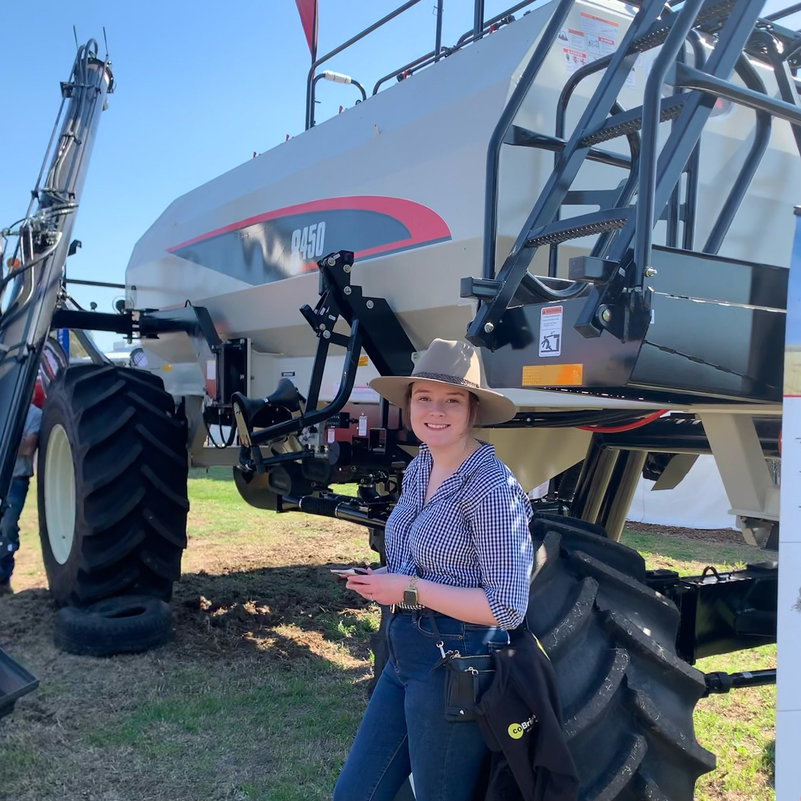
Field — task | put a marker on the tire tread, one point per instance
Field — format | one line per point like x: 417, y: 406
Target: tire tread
x: 129, y: 447
x: 627, y: 697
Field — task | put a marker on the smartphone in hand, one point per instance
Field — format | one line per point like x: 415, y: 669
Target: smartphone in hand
x: 349, y: 571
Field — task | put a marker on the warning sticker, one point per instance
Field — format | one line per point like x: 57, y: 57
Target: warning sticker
x: 600, y: 35
x: 574, y: 59
x: 551, y: 331
x: 596, y: 38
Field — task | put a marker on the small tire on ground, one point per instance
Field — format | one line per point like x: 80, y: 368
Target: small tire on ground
x: 112, y: 485
x: 627, y: 699
x: 123, y: 625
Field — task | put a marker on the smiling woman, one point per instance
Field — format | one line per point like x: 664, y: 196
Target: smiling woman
x: 459, y: 559
x: 441, y: 416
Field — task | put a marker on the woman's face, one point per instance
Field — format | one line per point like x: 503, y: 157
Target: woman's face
x: 439, y: 414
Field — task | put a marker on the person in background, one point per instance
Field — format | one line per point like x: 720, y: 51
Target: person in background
x: 458, y: 564
x: 18, y: 491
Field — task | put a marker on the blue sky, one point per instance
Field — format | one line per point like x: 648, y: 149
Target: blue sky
x: 200, y: 86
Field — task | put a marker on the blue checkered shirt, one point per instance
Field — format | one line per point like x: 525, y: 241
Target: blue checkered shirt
x: 473, y: 532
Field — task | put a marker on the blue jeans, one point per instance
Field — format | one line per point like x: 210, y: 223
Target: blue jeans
x: 9, y: 526
x: 404, y: 730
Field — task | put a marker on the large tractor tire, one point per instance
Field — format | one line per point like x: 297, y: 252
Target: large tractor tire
x: 627, y: 699
x: 112, y: 485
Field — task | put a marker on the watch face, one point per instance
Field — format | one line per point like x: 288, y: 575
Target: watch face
x: 410, y: 597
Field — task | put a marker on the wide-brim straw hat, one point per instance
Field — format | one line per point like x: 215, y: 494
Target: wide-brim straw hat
x: 453, y: 363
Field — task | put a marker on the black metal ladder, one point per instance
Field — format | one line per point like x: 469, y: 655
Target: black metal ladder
x: 616, y: 299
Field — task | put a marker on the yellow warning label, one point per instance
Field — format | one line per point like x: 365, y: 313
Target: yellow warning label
x: 362, y: 361
x: 553, y: 375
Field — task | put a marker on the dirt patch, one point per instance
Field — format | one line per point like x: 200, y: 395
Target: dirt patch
x: 255, y: 699
x: 236, y: 610
x: 716, y: 535
x: 218, y: 713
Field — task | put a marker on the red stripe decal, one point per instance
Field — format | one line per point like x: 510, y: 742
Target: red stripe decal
x: 424, y: 225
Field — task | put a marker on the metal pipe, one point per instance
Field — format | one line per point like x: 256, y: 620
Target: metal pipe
x: 655, y: 188
x: 751, y: 162
x: 340, y: 507
x: 651, y: 108
x: 467, y: 37
x: 519, y: 94
x: 478, y: 17
x: 620, y: 492
x: 44, y: 242
x: 93, y: 283
x: 438, y: 32
x: 422, y: 61
x: 337, y: 404
x: 785, y: 12
x: 595, y: 475
x: 720, y: 682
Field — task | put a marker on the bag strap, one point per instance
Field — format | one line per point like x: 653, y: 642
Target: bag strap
x: 446, y: 656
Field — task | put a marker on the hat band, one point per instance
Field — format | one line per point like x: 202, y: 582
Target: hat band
x: 448, y: 379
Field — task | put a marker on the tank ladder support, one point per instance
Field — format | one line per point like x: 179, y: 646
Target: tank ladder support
x: 373, y: 327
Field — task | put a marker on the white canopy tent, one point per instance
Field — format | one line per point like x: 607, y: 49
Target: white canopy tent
x: 699, y: 501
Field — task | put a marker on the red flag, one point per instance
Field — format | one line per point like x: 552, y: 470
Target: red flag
x: 308, y: 18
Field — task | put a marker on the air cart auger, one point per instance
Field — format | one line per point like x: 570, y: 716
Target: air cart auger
x: 33, y: 265
x: 600, y: 195
x: 32, y: 273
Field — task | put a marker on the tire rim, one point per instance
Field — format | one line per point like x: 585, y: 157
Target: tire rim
x: 59, y: 494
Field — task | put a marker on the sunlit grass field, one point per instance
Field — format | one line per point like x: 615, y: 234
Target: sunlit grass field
x: 258, y: 696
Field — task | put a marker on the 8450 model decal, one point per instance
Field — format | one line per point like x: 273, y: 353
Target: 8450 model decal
x: 288, y: 241
x: 308, y: 243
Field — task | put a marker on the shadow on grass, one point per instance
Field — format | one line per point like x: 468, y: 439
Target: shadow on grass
x: 286, y: 613
x: 262, y: 688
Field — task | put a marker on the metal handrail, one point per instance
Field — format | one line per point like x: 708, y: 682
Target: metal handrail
x: 339, y: 49
x: 480, y: 28
x: 555, y: 24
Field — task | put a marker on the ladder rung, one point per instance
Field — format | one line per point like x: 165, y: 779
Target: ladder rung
x: 709, y: 18
x: 522, y: 137
x: 628, y: 122
x: 576, y: 227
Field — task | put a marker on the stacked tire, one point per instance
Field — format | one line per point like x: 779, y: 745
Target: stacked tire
x: 112, y: 494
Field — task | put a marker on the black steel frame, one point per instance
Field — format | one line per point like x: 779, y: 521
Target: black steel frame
x: 373, y: 327
x: 625, y: 231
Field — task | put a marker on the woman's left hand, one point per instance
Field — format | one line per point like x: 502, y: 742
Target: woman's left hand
x: 383, y: 588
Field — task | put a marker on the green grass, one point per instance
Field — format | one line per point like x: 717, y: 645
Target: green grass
x: 201, y: 722
x: 738, y: 727
x: 683, y: 555
x: 258, y: 697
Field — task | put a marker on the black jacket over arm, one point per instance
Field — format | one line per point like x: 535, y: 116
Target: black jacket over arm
x: 520, y: 720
